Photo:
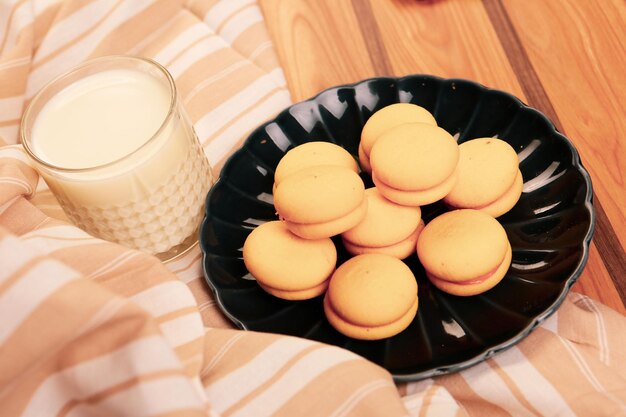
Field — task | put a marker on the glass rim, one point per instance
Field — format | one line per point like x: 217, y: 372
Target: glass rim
x: 74, y: 70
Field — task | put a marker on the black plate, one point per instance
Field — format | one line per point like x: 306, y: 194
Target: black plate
x: 550, y: 228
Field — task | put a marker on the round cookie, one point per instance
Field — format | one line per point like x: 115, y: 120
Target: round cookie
x: 477, y: 286
x: 400, y: 250
x: 312, y: 154
x: 387, y: 228
x: 385, y: 223
x: 385, y: 119
x: 371, y: 297
x: 321, y: 201
x: 286, y: 265
x: 464, y: 252
x: 414, y: 164
x: 489, y: 177
x: 331, y: 227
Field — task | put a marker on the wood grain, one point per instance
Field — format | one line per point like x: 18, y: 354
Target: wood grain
x: 372, y: 37
x: 611, y: 253
x: 446, y: 38
x: 596, y: 282
x: 553, y: 54
x: 578, y: 49
x: 325, y: 43
x: 523, y: 68
x: 319, y: 44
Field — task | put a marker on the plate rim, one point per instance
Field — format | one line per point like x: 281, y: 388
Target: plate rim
x: 489, y: 352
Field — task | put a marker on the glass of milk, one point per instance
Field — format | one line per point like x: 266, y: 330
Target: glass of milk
x: 117, y: 149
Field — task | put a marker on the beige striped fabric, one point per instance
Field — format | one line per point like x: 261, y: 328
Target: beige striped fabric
x: 90, y: 328
x: 573, y: 365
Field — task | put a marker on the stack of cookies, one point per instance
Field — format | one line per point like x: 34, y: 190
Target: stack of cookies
x: 317, y: 194
x: 413, y: 162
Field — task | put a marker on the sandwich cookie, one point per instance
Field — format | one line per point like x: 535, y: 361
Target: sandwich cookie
x: 371, y: 297
x: 312, y: 154
x: 464, y: 252
x: 415, y: 164
x: 321, y: 201
x: 489, y: 177
x: 387, y: 228
x: 386, y: 119
x: 286, y: 265
x: 400, y: 250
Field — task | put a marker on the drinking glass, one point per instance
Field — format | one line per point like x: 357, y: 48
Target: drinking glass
x: 150, y: 198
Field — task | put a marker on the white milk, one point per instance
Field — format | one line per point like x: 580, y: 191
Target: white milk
x: 100, y: 119
x: 113, y: 184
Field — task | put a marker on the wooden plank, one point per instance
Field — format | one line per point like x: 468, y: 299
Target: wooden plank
x: 573, y: 57
x: 319, y: 44
x: 445, y: 38
x: 373, y: 37
x: 578, y: 49
x: 596, y: 282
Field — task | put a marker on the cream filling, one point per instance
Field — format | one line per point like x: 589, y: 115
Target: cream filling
x: 473, y: 281
x: 319, y: 286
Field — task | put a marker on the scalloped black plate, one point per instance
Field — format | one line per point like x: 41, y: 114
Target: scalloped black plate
x: 550, y: 228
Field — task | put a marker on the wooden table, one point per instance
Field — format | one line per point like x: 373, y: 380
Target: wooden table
x: 565, y: 57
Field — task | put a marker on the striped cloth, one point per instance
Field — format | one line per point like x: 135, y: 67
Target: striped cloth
x: 89, y: 328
